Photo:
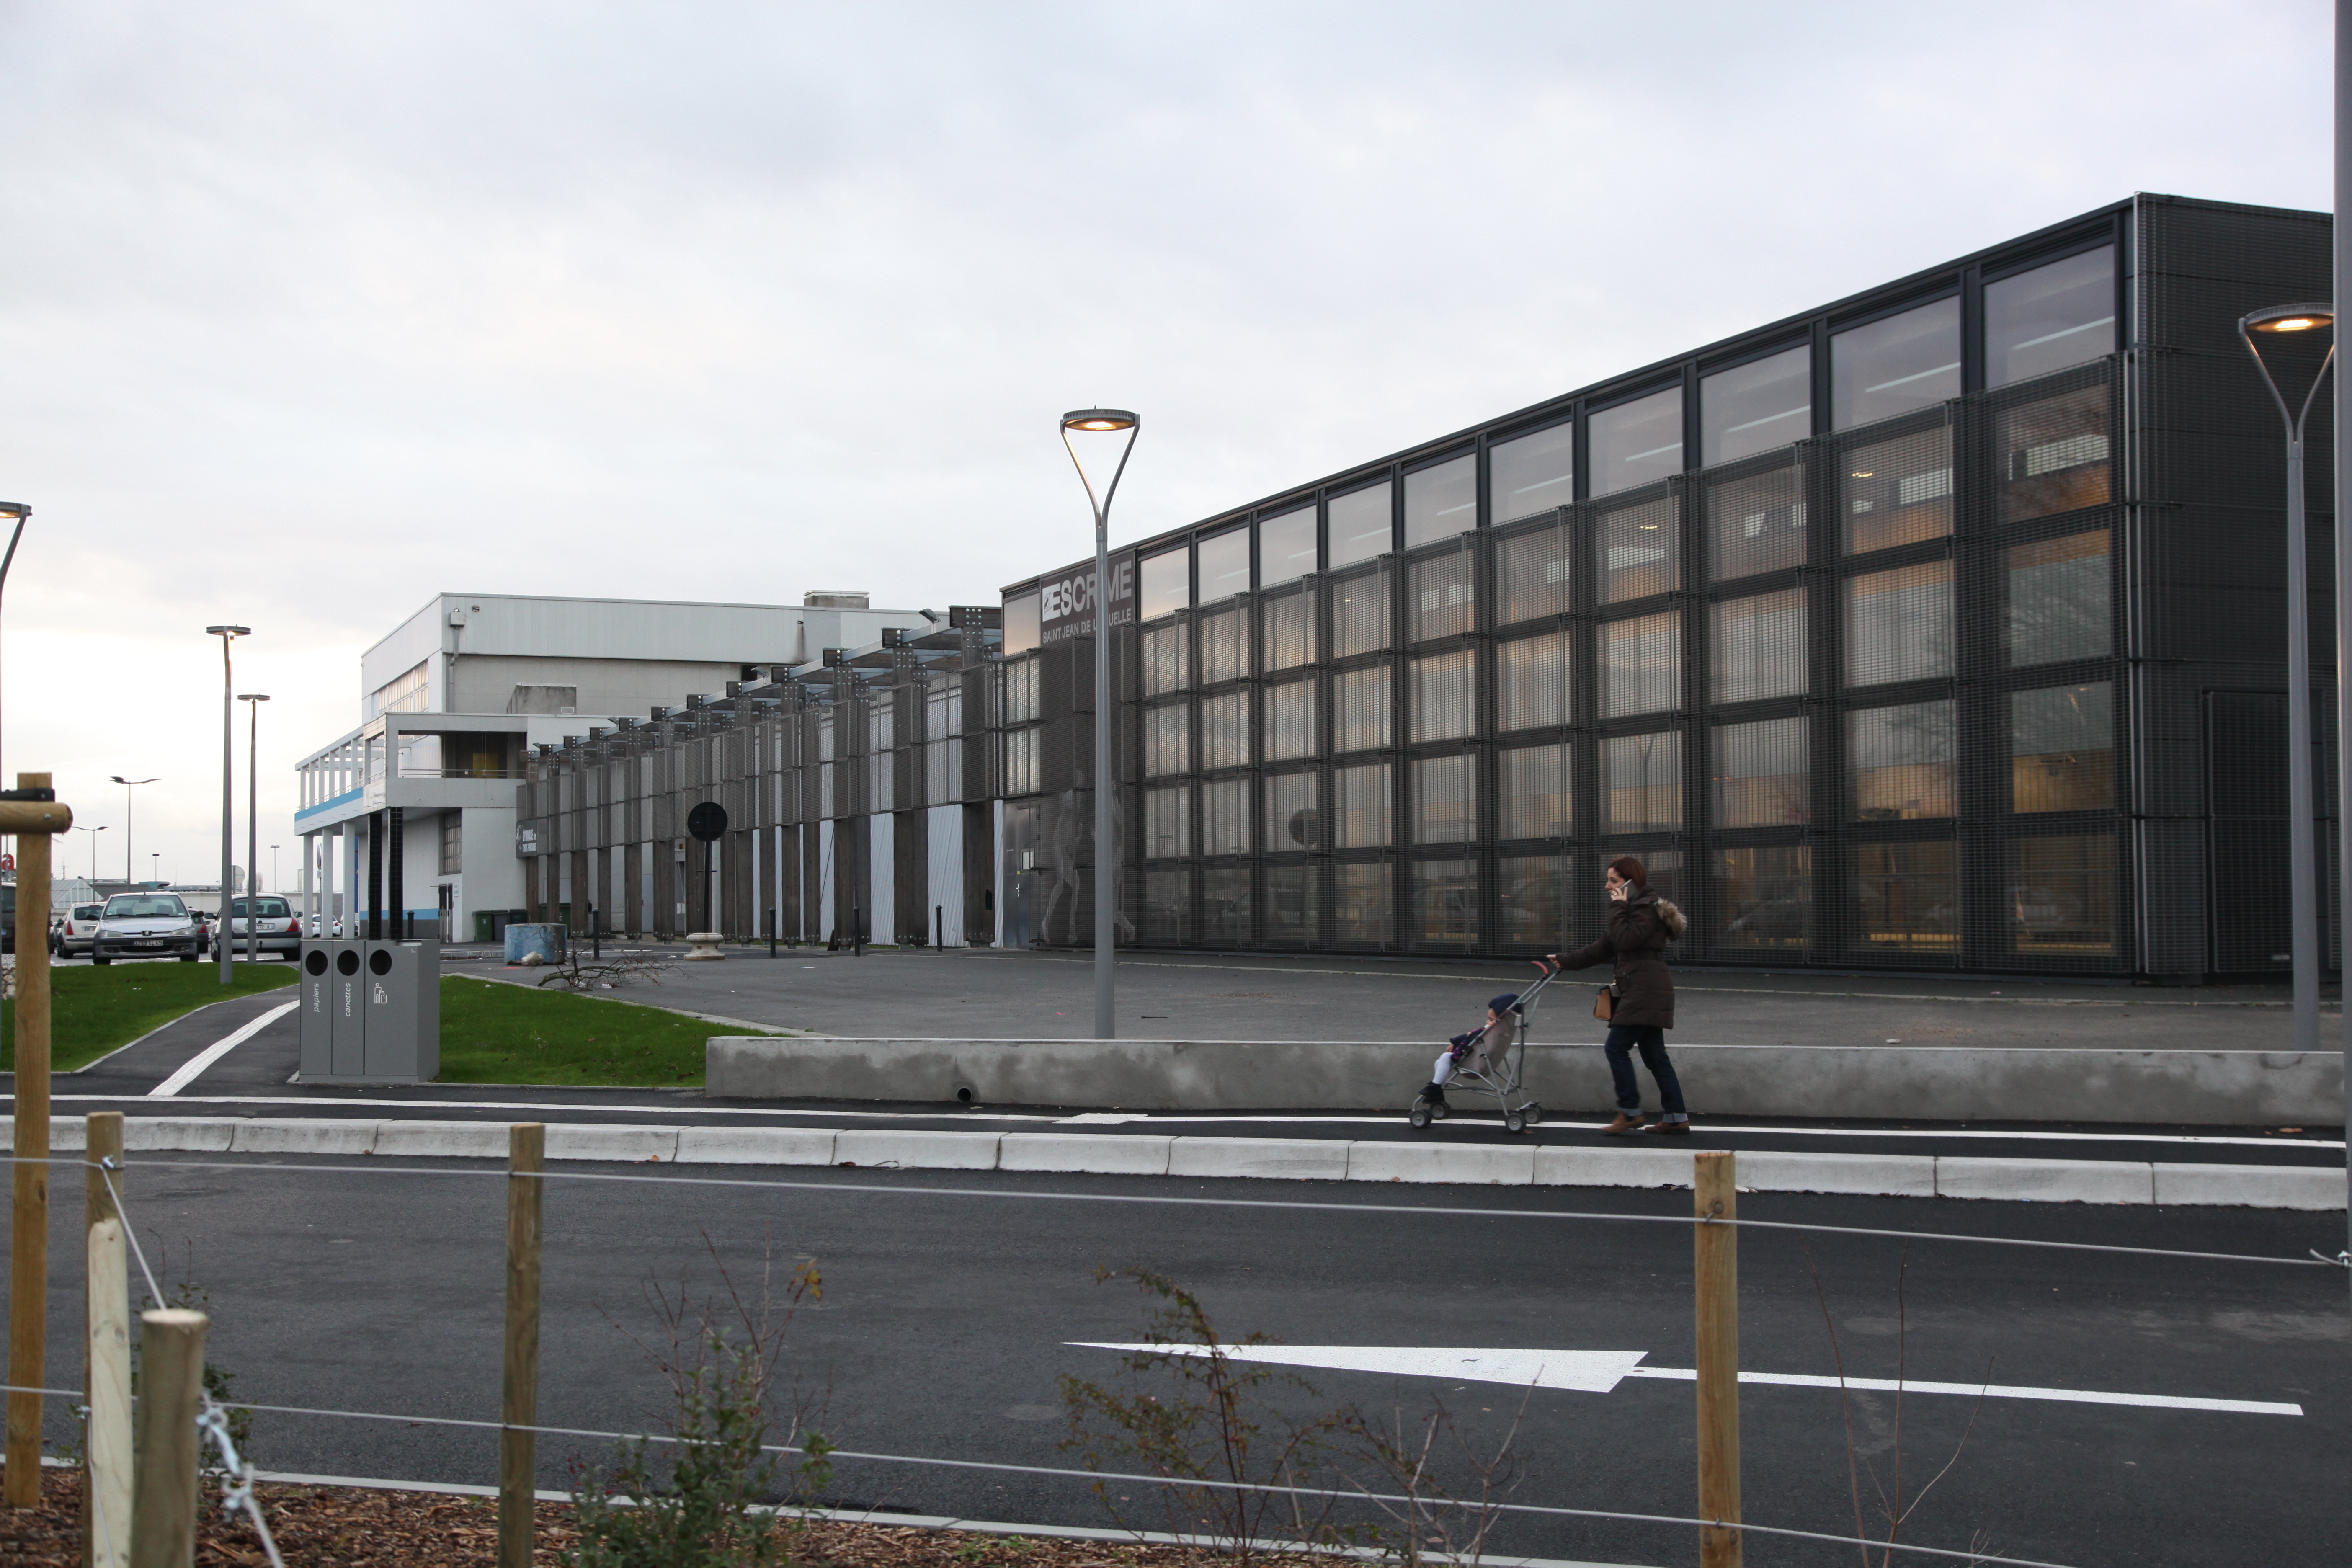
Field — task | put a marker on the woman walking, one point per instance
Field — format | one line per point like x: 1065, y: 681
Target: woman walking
x: 1641, y: 992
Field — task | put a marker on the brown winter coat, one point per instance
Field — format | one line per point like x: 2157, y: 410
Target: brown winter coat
x: 1639, y: 930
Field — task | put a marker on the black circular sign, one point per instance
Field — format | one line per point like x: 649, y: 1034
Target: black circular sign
x: 706, y: 821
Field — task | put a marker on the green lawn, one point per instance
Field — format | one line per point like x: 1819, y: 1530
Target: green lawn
x: 95, y: 1010
x: 492, y: 1032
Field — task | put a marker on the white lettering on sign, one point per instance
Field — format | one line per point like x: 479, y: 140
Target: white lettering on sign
x: 1065, y: 605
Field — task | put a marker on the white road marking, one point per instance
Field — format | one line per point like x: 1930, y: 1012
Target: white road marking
x: 1128, y: 1117
x: 296, y: 1102
x: 194, y: 1066
x: 1598, y: 1371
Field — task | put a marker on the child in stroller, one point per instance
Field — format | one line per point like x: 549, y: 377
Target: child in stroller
x: 1489, y: 1044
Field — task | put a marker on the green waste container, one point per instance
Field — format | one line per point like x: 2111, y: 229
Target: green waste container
x: 482, y: 931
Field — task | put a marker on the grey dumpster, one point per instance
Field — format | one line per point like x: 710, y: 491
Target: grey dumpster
x: 403, y: 982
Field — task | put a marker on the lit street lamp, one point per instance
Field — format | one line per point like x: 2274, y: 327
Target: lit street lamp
x: 227, y: 635
x: 2279, y: 324
x: 128, y: 786
x: 1103, y: 422
x: 252, y: 829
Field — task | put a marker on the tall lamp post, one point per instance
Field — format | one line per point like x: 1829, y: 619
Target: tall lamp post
x: 253, y: 827
x: 227, y: 635
x: 1113, y: 422
x: 128, y: 786
x: 2278, y: 324
x: 93, y: 833
x: 19, y: 511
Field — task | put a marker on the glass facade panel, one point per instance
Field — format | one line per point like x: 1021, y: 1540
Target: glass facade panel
x: 1167, y: 666
x: 1168, y: 822
x: 1288, y: 622
x: 1445, y: 695
x: 1444, y: 902
x: 1760, y: 647
x: 1898, y: 625
x: 1642, y: 665
x: 1443, y: 594
x: 1898, y: 491
x: 2061, y: 895
x: 1646, y: 782
x: 1291, y: 905
x: 1763, y: 775
x: 1755, y: 524
x: 1225, y: 817
x: 1224, y: 644
x: 1224, y: 564
x: 1441, y: 501
x: 1361, y: 526
x: 1756, y: 406
x: 1532, y: 473
x: 1765, y: 897
x: 1533, y: 688
x: 1359, y: 614
x: 1167, y: 740
x: 1021, y: 769
x: 1909, y: 899
x: 1637, y: 442
x: 2049, y: 318
x: 1021, y: 623
x: 1360, y: 806
x: 1291, y: 711
x: 2062, y: 749
x: 1020, y: 691
x: 2053, y: 455
x: 1361, y: 713
x: 1363, y: 902
x: 1168, y: 906
x: 2059, y: 599
x: 1640, y: 552
x: 1446, y: 800
x: 1903, y: 762
x: 1894, y: 365
x: 1225, y: 731
x: 1164, y: 583
x: 1531, y: 574
x: 1286, y: 547
x: 1293, y: 820
x: 1531, y: 896
x: 1533, y: 791
x: 1225, y: 906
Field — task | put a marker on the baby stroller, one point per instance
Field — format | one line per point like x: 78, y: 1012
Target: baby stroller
x: 1495, y: 1064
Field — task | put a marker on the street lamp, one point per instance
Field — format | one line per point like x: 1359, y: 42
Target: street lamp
x: 2278, y: 325
x: 1114, y: 421
x: 253, y: 828
x: 19, y: 512
x: 93, y: 832
x: 227, y: 635
x: 128, y: 786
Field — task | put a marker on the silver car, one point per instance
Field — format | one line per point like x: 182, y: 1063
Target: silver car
x: 274, y: 924
x: 145, y: 925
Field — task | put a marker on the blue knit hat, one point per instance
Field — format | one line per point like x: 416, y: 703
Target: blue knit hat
x: 1504, y: 1003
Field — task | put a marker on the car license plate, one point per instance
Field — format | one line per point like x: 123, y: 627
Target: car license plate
x: 148, y: 942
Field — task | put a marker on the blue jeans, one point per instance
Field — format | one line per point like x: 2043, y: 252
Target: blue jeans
x: 1624, y: 1039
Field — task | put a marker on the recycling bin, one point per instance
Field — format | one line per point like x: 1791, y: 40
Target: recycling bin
x: 317, y: 994
x: 347, y: 1009
x: 401, y: 982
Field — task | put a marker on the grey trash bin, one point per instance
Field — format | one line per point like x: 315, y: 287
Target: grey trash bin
x: 402, y: 983
x: 347, y: 1024
x: 317, y: 992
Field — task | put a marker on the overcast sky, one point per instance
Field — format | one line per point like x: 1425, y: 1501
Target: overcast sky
x: 309, y: 311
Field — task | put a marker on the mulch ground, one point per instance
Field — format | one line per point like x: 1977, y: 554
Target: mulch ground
x: 349, y: 1527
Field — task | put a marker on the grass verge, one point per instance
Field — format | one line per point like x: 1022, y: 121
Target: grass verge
x: 492, y: 1032
x: 95, y: 1010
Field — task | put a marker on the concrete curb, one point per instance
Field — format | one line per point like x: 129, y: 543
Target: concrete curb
x: 2138, y: 1182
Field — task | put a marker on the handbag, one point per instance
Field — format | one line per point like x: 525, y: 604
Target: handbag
x: 1604, y: 1003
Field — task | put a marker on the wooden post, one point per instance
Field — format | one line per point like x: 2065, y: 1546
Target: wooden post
x: 103, y: 1140
x: 170, y: 1381
x: 519, y: 1404
x: 106, y: 1477
x: 29, y: 1262
x: 1716, y: 1196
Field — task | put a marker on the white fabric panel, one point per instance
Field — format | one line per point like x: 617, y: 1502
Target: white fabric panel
x: 996, y: 865
x: 946, y: 837
x: 825, y: 896
x: 882, y: 883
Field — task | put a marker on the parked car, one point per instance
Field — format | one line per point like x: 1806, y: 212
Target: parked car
x: 72, y: 935
x: 273, y: 924
x: 146, y: 925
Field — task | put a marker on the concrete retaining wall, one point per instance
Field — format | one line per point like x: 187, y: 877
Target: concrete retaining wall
x: 2229, y: 1089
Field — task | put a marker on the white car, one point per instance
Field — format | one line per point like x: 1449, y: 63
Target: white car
x: 73, y: 933
x: 145, y: 925
x: 273, y: 924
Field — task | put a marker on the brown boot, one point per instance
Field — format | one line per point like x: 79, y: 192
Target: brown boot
x: 1669, y: 1129
x: 1627, y: 1123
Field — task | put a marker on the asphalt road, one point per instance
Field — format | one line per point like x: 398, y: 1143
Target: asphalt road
x: 946, y: 1317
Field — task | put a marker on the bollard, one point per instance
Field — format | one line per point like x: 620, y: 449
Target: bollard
x: 30, y: 812
x: 1716, y: 1195
x: 102, y: 1141
x: 170, y: 1381
x: 106, y: 1489
x: 518, y: 1402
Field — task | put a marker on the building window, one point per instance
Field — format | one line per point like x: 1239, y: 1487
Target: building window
x: 1167, y: 740
x: 1444, y: 902
x: 1531, y: 574
x: 1898, y: 491
x: 1445, y: 695
x: 1908, y: 899
x: 1168, y: 822
x: 1364, y: 708
x: 1225, y: 565
x: 1360, y: 806
x: 1760, y: 647
x: 1287, y: 625
x: 1225, y: 905
x: 1642, y: 665
x: 1532, y: 473
x: 1441, y: 501
x: 1292, y: 820
x: 1898, y: 625
x: 1535, y: 793
x: 1646, y: 782
x: 1530, y: 894
x: 1639, y: 551
x: 1167, y: 666
x: 1902, y: 760
x: 1894, y: 365
x: 1755, y: 524
x: 1020, y: 693
x: 1286, y: 547
x: 1363, y: 902
x: 2058, y: 599
x: 1225, y: 645
x: 881, y: 780
x: 1766, y: 898
x: 2062, y: 749
x: 1446, y: 800
x: 1637, y: 442
x: 1021, y: 768
x: 1021, y: 624
x: 1167, y: 905
x: 1763, y: 775
x: 1534, y: 684
x: 1290, y: 905
x: 1359, y: 614
x: 1290, y: 720
x: 2049, y: 318
x: 1756, y: 406
x: 1225, y: 817
x: 1165, y: 583
x: 2061, y: 894
x: 1362, y: 527
x: 1444, y: 595
x: 1225, y: 731
x: 942, y: 772
x: 407, y: 692
x: 2053, y: 455
x: 452, y: 856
